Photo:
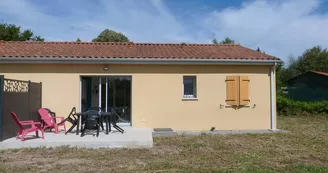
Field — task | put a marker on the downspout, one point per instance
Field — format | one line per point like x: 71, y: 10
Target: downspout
x: 99, y: 92
x: 272, y: 96
x: 80, y: 101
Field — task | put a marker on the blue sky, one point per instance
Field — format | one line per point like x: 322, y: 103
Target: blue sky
x: 279, y: 27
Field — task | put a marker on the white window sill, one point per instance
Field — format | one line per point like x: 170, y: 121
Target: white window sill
x: 189, y: 99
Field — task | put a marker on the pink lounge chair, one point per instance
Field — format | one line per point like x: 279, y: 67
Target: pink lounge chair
x: 49, y: 120
x: 35, y: 126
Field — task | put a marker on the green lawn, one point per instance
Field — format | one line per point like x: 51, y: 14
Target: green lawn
x: 304, y: 149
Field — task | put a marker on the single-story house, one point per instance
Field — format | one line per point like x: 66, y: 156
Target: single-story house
x: 309, y: 86
x: 178, y: 86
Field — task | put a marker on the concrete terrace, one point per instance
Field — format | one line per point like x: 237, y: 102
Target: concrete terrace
x: 132, y: 138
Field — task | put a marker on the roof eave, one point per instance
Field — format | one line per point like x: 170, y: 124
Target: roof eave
x: 61, y: 60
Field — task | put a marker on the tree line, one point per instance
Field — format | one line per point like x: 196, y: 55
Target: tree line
x: 312, y: 59
x: 315, y: 58
x: 11, y: 32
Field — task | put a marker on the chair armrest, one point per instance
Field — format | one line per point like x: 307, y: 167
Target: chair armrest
x: 61, y: 119
x: 56, y: 117
x: 32, y: 123
x: 27, y: 122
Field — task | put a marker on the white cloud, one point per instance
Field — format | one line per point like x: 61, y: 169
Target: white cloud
x: 141, y: 21
x: 280, y: 28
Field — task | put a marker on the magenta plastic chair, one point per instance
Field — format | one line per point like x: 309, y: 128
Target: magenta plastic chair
x: 49, y: 120
x: 35, y: 126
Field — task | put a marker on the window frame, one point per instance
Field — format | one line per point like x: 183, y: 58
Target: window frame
x: 194, y: 87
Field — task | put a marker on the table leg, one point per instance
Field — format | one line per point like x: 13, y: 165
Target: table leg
x: 78, y: 126
x: 107, y: 125
x: 109, y: 121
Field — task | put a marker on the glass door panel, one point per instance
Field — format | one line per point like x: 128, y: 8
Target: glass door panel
x: 118, y: 97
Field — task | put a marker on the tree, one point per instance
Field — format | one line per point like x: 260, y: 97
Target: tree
x: 315, y: 58
x: 111, y: 36
x: 78, y: 40
x: 279, y: 78
x: 286, y: 73
x: 11, y: 32
x: 215, y: 41
x: 227, y: 40
x: 37, y: 38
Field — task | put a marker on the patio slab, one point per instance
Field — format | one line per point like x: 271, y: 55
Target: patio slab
x: 132, y: 138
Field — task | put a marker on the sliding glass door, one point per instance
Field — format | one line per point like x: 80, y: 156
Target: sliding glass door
x: 115, y: 93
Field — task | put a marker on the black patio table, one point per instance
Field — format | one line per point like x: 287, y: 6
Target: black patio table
x: 104, y: 115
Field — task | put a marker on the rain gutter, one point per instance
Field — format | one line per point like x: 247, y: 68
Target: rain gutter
x: 76, y: 60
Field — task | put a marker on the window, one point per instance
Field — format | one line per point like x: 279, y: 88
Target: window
x: 189, y: 87
x: 237, y: 90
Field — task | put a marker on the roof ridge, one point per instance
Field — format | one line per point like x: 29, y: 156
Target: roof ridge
x: 120, y: 43
x: 189, y: 44
x: 320, y: 72
x: 257, y: 51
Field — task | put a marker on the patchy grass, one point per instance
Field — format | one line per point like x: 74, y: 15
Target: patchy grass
x: 303, y: 150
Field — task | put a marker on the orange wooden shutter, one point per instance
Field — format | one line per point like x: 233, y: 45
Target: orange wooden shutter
x: 243, y: 90
x: 231, y: 87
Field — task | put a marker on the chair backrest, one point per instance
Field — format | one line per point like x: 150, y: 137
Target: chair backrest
x: 16, y: 120
x: 92, y: 114
x: 92, y: 119
x: 71, y: 117
x: 73, y: 111
x: 52, y: 114
x: 45, y: 116
x: 118, y: 114
x: 115, y: 115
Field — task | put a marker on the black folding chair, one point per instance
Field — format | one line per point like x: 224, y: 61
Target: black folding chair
x: 101, y: 118
x: 73, y: 119
x: 115, y: 119
x: 122, y: 114
x: 91, y: 122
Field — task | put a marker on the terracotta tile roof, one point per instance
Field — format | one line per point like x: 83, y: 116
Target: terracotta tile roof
x: 128, y: 50
x: 319, y: 72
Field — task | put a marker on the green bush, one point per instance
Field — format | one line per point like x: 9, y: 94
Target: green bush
x: 286, y: 106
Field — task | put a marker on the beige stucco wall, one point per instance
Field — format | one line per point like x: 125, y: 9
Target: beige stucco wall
x: 157, y: 92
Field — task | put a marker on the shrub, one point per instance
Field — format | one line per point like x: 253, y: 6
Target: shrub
x: 286, y: 106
